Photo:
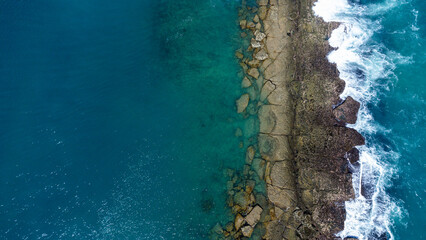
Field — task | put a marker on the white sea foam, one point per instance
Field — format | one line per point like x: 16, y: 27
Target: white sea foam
x: 365, y: 66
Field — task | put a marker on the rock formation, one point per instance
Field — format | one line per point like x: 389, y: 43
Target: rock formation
x: 296, y: 178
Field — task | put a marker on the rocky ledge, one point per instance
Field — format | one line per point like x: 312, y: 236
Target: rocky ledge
x: 303, y: 147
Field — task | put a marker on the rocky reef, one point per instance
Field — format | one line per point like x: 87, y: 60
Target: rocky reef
x: 302, y: 154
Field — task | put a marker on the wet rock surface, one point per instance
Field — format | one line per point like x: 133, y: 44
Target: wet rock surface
x: 347, y: 111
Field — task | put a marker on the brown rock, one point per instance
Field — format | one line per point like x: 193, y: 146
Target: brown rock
x: 253, y: 72
x: 239, y: 221
x: 247, y: 231
x: 243, y: 24
x: 251, y: 25
x: 262, y: 2
x: 261, y: 55
x: 275, y: 120
x: 347, y: 111
x: 256, y: 18
x: 263, y: 10
x: 250, y: 154
x: 274, y: 148
x: 282, y: 175
x: 254, y: 216
x: 282, y: 198
x: 239, y: 54
x: 255, y: 44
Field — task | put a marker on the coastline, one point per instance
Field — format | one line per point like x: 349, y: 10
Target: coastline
x: 303, y: 146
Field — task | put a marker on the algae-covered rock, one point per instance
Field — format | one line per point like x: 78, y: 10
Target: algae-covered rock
x: 242, y: 199
x: 239, y: 55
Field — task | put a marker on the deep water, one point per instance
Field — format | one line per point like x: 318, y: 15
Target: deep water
x: 381, y: 55
x: 118, y: 118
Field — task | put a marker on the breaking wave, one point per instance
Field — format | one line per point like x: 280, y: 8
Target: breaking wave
x: 367, y: 68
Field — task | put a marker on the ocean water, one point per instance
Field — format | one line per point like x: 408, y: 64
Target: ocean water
x: 118, y: 118
x: 380, y: 53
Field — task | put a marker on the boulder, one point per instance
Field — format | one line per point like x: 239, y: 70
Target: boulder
x: 256, y: 18
x: 245, y: 83
x: 251, y: 25
x: 255, y: 44
x: 263, y: 11
x: 250, y: 154
x: 218, y: 229
x: 254, y: 63
x: 243, y: 24
x: 253, y: 72
x: 238, y: 222
x: 254, y: 216
x: 347, y: 111
x: 259, y: 36
x: 247, y: 231
x: 261, y: 55
x: 242, y: 102
x: 239, y: 54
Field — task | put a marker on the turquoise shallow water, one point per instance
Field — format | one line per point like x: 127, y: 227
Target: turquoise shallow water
x: 117, y: 118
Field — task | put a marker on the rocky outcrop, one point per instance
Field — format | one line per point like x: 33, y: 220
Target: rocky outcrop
x: 296, y: 176
x: 347, y: 111
x: 302, y: 137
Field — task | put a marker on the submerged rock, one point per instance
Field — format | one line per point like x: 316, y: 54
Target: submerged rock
x: 246, y: 82
x: 239, y: 55
x: 253, y: 72
x: 242, y: 103
x: 243, y: 24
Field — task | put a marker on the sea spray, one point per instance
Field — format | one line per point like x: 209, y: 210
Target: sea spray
x: 366, y: 66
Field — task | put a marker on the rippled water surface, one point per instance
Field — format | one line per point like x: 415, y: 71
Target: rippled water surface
x: 117, y: 118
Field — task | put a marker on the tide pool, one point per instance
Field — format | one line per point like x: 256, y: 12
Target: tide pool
x: 118, y: 118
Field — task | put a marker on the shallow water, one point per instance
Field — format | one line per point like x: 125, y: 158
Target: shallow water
x: 118, y: 118
x: 381, y: 56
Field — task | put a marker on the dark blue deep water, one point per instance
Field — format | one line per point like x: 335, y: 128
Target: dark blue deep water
x: 117, y: 118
